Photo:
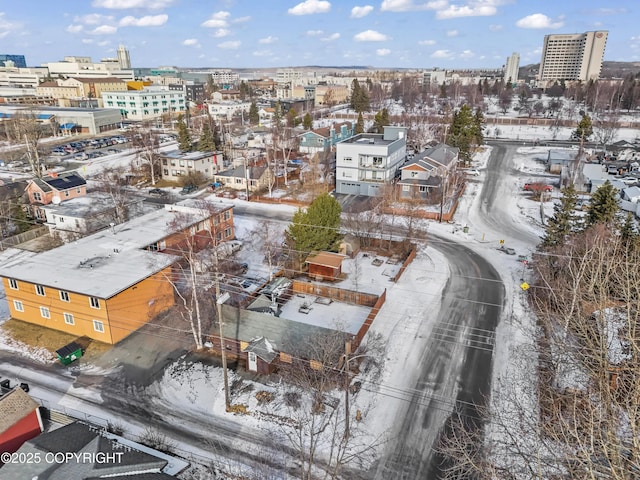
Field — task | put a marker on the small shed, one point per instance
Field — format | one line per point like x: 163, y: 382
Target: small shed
x: 69, y: 353
x: 261, y: 354
x: 325, y: 265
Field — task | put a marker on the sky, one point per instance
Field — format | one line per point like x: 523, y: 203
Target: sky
x: 282, y: 33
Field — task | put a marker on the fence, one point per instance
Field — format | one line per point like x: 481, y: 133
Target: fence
x: 23, y: 237
x: 334, y: 293
x: 370, y: 318
x: 408, y: 260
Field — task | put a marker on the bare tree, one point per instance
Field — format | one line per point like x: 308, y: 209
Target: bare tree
x: 110, y: 180
x: 605, y: 128
x: 270, y: 235
x: 26, y: 129
x: 147, y: 151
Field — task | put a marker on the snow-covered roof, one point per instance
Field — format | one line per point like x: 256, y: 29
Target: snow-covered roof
x: 109, y: 261
x: 631, y: 192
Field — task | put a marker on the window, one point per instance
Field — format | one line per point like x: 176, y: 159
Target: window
x: 37, y: 197
x: 40, y: 290
x: 227, y: 232
x: 68, y: 319
x: 347, y: 159
x: 78, y: 190
x: 423, y: 189
x: 17, y: 304
x: 226, y: 215
x: 414, y: 174
x: 98, y: 326
x: 406, y: 188
x: 44, y: 312
x: 64, y: 296
x: 13, y: 284
x: 94, y: 302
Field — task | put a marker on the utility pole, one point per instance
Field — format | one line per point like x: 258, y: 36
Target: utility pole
x: 220, y: 299
x: 347, y: 352
x: 444, y: 193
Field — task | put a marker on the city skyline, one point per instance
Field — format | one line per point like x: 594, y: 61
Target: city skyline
x: 281, y: 33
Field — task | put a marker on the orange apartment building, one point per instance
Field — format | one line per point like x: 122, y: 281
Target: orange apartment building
x: 109, y: 284
x: 53, y: 188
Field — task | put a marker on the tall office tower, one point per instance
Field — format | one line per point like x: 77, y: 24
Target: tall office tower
x: 123, y: 57
x: 511, y: 68
x: 576, y: 56
x: 18, y: 60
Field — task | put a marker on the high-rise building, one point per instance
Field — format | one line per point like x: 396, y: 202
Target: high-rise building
x: 511, y: 68
x: 123, y: 57
x: 576, y: 56
x: 18, y: 60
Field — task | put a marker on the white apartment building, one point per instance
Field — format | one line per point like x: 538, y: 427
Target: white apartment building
x: 83, y: 67
x: 176, y: 164
x: 367, y: 161
x: 511, y: 69
x: 224, y: 76
x: 22, y: 77
x: 123, y: 58
x: 151, y: 102
x: 576, y: 56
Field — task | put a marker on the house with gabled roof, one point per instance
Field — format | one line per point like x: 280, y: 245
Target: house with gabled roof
x: 109, y: 284
x: 256, y: 177
x: 54, y: 188
x: 425, y: 171
x: 20, y: 418
x: 323, y: 139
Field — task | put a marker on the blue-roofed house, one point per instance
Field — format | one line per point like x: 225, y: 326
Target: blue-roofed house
x: 53, y: 188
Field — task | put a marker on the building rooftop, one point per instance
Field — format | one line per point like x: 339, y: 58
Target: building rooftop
x: 110, y: 261
x: 368, y: 139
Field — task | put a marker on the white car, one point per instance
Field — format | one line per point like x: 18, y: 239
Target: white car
x: 472, y: 171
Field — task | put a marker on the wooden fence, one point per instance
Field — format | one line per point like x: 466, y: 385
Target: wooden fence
x: 23, y: 237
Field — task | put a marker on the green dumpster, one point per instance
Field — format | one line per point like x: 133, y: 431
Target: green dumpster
x: 69, y: 353
x: 465, y: 229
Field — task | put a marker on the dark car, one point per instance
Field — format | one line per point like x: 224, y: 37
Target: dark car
x: 158, y: 192
x: 188, y: 189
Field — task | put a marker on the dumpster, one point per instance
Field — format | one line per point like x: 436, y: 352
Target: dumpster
x: 69, y: 353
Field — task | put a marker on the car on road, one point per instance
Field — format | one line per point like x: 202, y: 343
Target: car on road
x: 158, y: 192
x: 472, y: 171
x: 187, y: 189
x: 537, y: 187
x: 507, y: 250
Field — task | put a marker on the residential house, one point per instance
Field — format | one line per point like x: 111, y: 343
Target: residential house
x: 257, y: 178
x: 109, y: 284
x: 103, y: 455
x: 177, y: 164
x: 266, y: 113
x: 426, y: 170
x: 20, y: 418
x: 631, y: 194
x: 222, y: 95
x: 53, y: 188
x: 84, y: 215
x: 325, y: 266
x: 323, y: 139
x: 367, y: 161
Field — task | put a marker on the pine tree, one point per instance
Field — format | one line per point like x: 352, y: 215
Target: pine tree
x: 254, y: 116
x: 463, y: 132
x: 307, y: 121
x: 184, y: 136
x: 563, y: 221
x: 359, y: 97
x: 316, y: 228
x: 380, y: 120
x: 584, y: 129
x: 603, y: 205
x: 478, y: 124
x: 206, y: 142
x: 292, y: 118
x: 359, y: 124
x: 628, y: 231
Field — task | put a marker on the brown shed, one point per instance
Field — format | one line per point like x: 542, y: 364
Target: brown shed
x: 325, y: 265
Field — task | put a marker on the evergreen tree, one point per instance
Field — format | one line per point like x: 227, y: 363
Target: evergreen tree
x: 245, y: 90
x: 603, y: 205
x: 316, y: 228
x: 584, y: 129
x: 628, y: 231
x: 478, y: 124
x: 359, y: 97
x: 254, y: 116
x: 380, y: 120
x: 307, y: 121
x: 292, y: 118
x: 206, y: 143
x: 563, y: 221
x: 20, y: 218
x: 360, y: 124
x: 463, y: 132
x: 184, y: 136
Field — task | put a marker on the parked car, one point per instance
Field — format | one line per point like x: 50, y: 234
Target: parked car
x: 472, y: 171
x: 532, y: 187
x: 158, y: 192
x: 188, y: 189
x: 507, y: 250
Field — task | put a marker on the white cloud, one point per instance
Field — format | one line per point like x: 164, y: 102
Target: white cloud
x: 93, y: 19
x: 241, y: 19
x: 442, y: 54
x: 75, y: 28
x: 309, y: 7
x: 427, y: 42
x: 331, y: 38
x: 217, y: 20
x: 191, y: 42
x: 122, y: 4
x: 221, y: 32
x: 370, y: 36
x: 452, y: 33
x: 409, y: 5
x: 495, y: 28
x: 268, y: 40
x: 146, y: 21
x: 314, y: 33
x: 383, y: 52
x: 87, y: 40
x: 6, y: 26
x: 263, y: 53
x: 230, y: 45
x: 476, y: 10
x: 538, y: 20
x: 103, y: 43
x: 359, y: 12
x: 103, y: 30
x: 467, y: 54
